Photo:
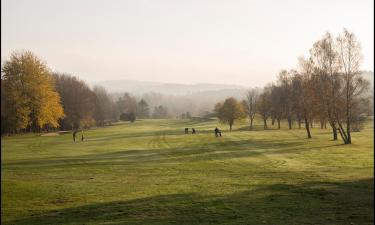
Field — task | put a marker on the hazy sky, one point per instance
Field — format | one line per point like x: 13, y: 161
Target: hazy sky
x: 191, y: 41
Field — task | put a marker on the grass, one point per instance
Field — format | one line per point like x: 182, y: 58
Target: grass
x: 149, y: 172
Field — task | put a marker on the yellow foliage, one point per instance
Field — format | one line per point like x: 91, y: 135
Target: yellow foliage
x: 30, y: 92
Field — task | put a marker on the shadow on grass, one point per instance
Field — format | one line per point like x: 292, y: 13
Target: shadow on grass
x: 307, y: 203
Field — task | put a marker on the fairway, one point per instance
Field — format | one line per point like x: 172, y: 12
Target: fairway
x: 150, y: 172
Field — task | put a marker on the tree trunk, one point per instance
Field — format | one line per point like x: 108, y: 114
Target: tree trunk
x: 273, y: 121
x: 307, y: 128
x: 349, y: 138
x: 265, y: 123
x: 299, y: 123
x: 251, y: 123
x: 344, y: 135
x: 334, y: 130
x: 230, y: 126
x: 278, y: 124
x: 290, y: 123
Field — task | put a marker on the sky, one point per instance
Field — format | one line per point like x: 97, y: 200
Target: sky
x: 195, y: 41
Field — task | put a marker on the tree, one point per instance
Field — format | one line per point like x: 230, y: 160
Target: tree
x: 30, y: 99
x: 264, y: 105
x: 349, y: 56
x: 143, y: 110
x: 276, y: 101
x: 286, y: 103
x: 103, y: 104
x: 361, y: 109
x: 128, y: 117
x: 303, y: 92
x: 78, y: 100
x: 127, y: 104
x: 327, y: 80
x: 249, y: 104
x: 230, y: 111
x: 160, y: 112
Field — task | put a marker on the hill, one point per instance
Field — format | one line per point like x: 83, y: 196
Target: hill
x: 142, y: 87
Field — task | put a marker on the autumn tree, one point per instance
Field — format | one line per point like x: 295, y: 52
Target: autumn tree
x: 14, y: 109
x: 30, y: 99
x: 229, y: 111
x: 78, y: 100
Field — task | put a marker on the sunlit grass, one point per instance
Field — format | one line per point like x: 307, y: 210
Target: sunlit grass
x: 149, y: 172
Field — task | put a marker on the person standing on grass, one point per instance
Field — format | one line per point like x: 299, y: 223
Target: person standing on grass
x: 74, y: 135
x: 216, y: 131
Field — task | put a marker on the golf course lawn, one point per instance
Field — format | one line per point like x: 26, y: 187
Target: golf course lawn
x: 150, y: 172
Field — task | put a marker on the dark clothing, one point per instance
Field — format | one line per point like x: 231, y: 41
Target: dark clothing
x: 217, y: 132
x: 193, y: 130
x: 74, y: 136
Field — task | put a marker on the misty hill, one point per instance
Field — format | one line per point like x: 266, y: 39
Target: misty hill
x: 197, y: 99
x: 142, y: 87
x: 369, y: 75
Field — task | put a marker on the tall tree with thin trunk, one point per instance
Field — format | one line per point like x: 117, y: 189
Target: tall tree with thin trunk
x: 276, y: 100
x: 249, y: 104
x: 284, y: 83
x: 349, y: 56
x: 302, y: 86
x: 327, y: 78
x: 264, y: 105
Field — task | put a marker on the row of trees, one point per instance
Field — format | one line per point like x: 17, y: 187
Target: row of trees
x: 326, y: 87
x: 33, y: 98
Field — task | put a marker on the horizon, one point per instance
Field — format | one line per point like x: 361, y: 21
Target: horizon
x: 192, y: 83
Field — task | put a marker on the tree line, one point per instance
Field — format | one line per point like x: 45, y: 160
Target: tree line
x: 34, y: 99
x: 326, y: 87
